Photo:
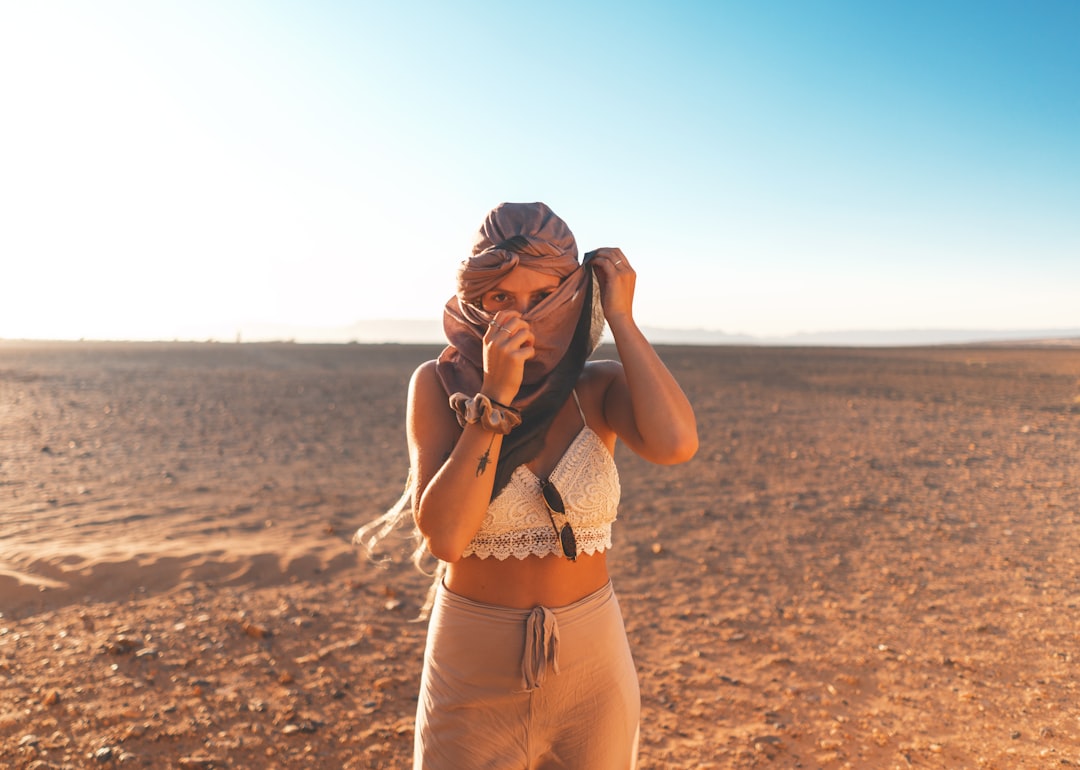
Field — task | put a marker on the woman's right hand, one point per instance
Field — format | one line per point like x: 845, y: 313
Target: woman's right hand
x: 508, y: 344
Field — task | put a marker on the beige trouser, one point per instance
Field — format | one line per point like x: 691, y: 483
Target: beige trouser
x: 511, y: 689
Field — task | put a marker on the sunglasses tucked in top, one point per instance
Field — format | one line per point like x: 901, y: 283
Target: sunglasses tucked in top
x: 554, y: 502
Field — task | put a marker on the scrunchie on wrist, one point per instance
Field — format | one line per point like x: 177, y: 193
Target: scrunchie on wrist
x: 492, y: 416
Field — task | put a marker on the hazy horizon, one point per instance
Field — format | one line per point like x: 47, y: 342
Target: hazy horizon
x: 429, y: 332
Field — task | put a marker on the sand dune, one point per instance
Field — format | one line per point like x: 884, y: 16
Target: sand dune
x: 872, y: 562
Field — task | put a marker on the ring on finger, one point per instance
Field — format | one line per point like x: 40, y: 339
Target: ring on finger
x: 618, y: 261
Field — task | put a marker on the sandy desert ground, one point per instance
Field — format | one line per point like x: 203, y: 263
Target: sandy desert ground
x: 871, y: 563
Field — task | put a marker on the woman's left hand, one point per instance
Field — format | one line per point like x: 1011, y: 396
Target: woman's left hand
x: 617, y: 280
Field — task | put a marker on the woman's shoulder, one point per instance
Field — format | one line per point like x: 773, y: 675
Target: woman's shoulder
x: 429, y: 408
x: 425, y: 383
x: 600, y: 373
x: 425, y: 371
x: 593, y: 387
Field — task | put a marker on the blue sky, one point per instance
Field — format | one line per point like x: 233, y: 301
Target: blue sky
x: 190, y: 169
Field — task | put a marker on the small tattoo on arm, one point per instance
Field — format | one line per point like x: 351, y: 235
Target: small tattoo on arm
x: 485, y: 458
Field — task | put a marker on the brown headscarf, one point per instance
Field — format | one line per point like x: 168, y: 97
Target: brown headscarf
x: 567, y: 324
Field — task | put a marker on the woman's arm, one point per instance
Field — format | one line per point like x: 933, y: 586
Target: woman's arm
x: 455, y: 467
x: 643, y: 403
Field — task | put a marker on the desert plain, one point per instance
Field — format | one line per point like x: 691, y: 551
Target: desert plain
x: 871, y: 563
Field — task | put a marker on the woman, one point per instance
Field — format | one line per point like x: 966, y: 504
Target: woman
x: 513, y: 488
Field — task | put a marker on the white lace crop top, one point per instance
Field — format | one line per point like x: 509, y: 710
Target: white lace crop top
x: 518, y: 523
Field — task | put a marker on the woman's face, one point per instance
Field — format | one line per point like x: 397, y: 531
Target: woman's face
x: 522, y: 289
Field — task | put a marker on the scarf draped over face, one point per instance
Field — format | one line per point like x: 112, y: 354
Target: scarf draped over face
x: 567, y: 324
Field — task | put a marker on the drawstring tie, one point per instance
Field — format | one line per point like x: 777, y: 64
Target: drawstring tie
x: 541, y: 647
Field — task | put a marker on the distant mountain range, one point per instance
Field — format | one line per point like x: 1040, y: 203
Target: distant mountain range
x: 430, y: 332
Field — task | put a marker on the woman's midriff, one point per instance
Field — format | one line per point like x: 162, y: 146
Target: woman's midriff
x: 551, y: 581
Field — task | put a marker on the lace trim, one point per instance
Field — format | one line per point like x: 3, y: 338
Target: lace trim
x: 537, y: 542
